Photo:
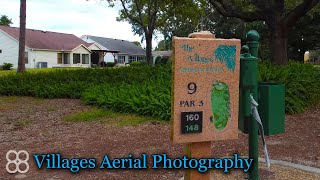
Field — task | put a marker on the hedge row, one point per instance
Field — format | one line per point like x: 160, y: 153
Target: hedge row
x: 146, y: 90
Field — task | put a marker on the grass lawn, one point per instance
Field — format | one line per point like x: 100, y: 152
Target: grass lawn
x: 89, y: 114
x: 33, y: 70
x: 103, y: 115
x: 6, y: 72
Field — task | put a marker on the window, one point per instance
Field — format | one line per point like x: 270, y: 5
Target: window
x: 132, y: 59
x: 59, y: 58
x: 85, y: 58
x: 26, y: 58
x: 140, y: 58
x: 76, y: 58
x: 0, y: 50
x: 121, y: 59
x: 66, y: 58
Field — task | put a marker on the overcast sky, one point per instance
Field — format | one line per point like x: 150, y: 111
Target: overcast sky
x: 78, y: 17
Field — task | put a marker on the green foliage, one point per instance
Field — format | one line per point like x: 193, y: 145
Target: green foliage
x: 142, y: 89
x: 90, y: 115
x: 137, y: 43
x: 61, y: 83
x: 163, y: 45
x: 301, y: 83
x: 110, y: 64
x: 145, y: 17
x: 146, y: 90
x: 103, y: 115
x: 7, y: 66
x: 133, y: 120
x: 151, y: 98
x: 138, y: 63
x: 183, y: 18
x: 5, y: 20
x: 161, y: 60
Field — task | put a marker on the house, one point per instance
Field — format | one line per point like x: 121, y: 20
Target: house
x: 45, y: 49
x: 161, y: 54
x: 118, y: 51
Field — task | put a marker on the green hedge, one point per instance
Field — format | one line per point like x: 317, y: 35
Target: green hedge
x: 146, y: 90
x: 302, y: 83
x: 151, y: 98
x: 62, y: 83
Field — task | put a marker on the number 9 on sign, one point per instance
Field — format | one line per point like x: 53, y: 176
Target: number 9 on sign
x: 192, y: 88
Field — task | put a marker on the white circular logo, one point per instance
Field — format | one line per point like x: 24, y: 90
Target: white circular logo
x: 17, y: 161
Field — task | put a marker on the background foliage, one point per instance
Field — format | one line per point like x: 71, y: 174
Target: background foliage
x: 146, y: 90
x: 301, y: 83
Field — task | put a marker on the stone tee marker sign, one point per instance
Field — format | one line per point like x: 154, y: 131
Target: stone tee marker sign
x: 205, y: 89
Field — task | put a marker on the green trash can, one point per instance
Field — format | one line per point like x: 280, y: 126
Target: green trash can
x: 271, y: 100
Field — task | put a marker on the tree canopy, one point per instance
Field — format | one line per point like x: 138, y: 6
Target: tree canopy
x: 166, y: 17
x: 5, y: 20
x: 137, y: 43
x: 144, y: 16
x: 280, y: 16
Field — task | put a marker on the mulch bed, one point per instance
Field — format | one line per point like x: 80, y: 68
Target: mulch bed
x: 37, y: 127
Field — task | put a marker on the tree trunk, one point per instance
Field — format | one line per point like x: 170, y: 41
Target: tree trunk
x: 149, y: 49
x: 279, y: 43
x: 22, y: 36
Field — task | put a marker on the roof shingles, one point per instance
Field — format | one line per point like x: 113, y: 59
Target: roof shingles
x: 124, y: 47
x: 37, y: 39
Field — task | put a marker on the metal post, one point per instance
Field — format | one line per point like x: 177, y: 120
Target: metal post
x: 253, y: 43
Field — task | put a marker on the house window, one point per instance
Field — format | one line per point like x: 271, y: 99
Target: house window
x: 59, y: 58
x: 76, y: 58
x: 85, y: 58
x: 66, y: 58
x: 121, y: 59
x: 26, y: 58
x: 132, y: 59
x: 0, y: 50
x: 140, y: 58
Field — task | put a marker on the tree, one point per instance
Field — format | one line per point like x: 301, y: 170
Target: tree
x: 305, y: 36
x: 5, y: 21
x: 228, y: 27
x: 137, y: 43
x: 22, y: 37
x: 144, y: 16
x: 163, y: 45
x: 148, y: 16
x: 183, y: 18
x: 279, y: 15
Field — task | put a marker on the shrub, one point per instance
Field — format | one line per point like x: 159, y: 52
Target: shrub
x: 151, y: 97
x: 110, y: 64
x: 64, y: 83
x: 301, y: 83
x: 138, y: 63
x: 161, y: 60
x: 7, y: 66
x: 146, y: 90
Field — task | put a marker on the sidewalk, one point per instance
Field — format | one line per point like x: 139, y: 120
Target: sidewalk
x: 285, y: 171
x: 277, y: 172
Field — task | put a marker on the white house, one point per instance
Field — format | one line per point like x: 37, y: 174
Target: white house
x: 45, y: 49
x: 119, y: 51
x: 162, y: 54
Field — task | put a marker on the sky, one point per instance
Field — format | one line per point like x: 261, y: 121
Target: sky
x: 78, y: 17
